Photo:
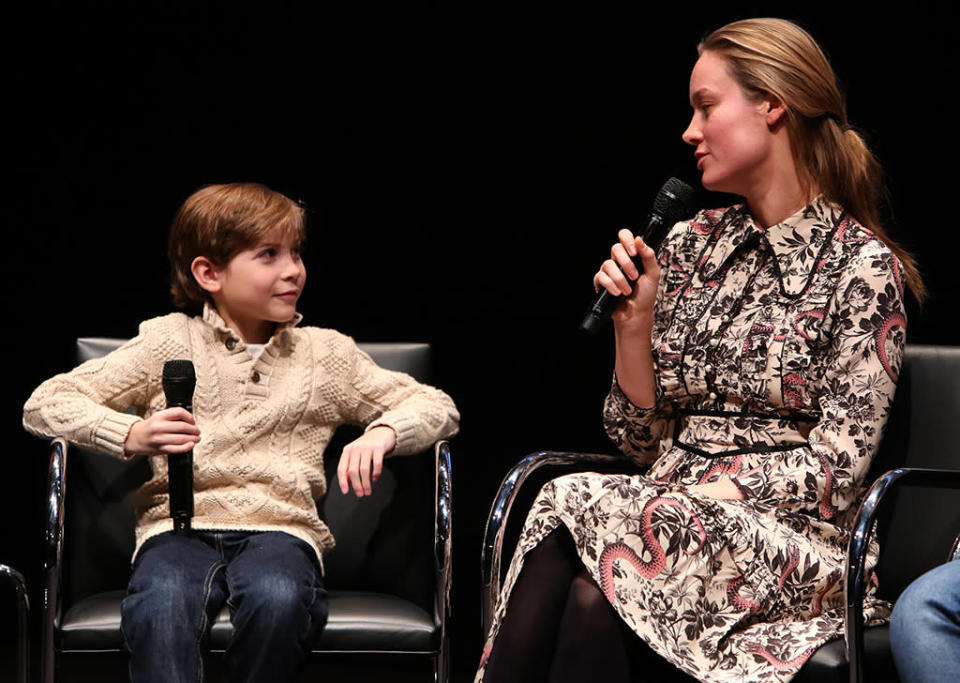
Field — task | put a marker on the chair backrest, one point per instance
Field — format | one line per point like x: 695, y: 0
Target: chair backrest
x: 916, y: 528
x: 384, y: 541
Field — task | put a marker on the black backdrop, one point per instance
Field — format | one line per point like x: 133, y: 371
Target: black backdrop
x: 467, y: 165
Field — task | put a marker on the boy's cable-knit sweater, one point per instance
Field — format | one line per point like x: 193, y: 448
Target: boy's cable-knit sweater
x: 263, y: 423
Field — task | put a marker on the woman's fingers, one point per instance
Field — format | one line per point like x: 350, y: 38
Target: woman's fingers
x: 648, y: 257
x: 624, y: 260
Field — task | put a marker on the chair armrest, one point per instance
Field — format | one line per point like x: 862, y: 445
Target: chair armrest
x: 443, y: 527
x: 23, y: 620
x: 53, y: 554
x: 443, y: 557
x: 490, y: 555
x: 854, y: 584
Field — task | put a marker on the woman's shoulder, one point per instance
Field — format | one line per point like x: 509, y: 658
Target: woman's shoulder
x: 687, y: 234
x: 862, y: 249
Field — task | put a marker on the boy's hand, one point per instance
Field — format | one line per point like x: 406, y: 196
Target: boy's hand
x: 168, y: 431
x: 359, y: 455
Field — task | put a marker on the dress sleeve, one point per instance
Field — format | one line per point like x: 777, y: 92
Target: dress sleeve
x: 86, y: 405
x: 637, y: 432
x: 855, y: 392
x: 419, y: 414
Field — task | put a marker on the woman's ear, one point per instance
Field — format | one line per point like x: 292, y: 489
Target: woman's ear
x: 206, y: 274
x: 774, y: 110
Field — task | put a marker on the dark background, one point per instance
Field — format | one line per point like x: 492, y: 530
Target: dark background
x: 467, y: 165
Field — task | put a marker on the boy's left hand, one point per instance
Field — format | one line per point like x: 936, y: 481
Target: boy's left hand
x: 358, y: 457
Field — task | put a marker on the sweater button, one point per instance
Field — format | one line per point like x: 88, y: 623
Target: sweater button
x: 712, y: 396
x: 255, y: 377
x: 231, y: 344
x: 713, y: 342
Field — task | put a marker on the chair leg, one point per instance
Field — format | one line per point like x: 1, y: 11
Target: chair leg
x: 441, y: 665
x: 23, y: 621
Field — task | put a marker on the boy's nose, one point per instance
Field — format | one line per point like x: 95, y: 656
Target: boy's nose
x: 293, y: 270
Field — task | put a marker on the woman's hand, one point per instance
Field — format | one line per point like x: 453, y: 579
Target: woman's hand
x: 620, y: 276
x: 168, y: 431
x: 358, y: 457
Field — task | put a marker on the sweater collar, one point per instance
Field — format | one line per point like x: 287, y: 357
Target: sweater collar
x: 213, y: 319
x: 797, y: 242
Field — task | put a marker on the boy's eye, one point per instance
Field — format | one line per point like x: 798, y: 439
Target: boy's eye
x: 268, y: 253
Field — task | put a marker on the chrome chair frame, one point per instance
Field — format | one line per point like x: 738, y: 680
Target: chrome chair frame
x: 854, y: 570
x: 53, y: 556
x: 8, y: 573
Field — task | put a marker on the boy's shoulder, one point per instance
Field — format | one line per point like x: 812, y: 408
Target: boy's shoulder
x: 326, y: 341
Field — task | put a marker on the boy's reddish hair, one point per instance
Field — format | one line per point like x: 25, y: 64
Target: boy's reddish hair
x: 217, y: 222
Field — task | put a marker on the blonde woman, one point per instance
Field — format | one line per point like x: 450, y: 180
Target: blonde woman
x: 756, y: 360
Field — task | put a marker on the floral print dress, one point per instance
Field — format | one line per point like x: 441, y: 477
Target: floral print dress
x: 776, y: 355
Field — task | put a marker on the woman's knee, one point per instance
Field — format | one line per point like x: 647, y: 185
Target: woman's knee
x: 588, y: 603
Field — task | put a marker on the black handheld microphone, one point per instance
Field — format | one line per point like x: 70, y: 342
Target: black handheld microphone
x: 179, y: 380
x: 672, y: 204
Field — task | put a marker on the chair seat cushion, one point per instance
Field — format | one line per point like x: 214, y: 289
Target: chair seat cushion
x: 358, y: 622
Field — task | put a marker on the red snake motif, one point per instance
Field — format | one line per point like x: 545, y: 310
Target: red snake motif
x: 621, y: 551
x: 737, y: 600
x: 794, y: 400
x: 827, y: 509
x: 486, y: 655
x: 832, y: 581
x: 880, y: 338
x: 793, y: 561
x: 721, y: 468
x: 778, y: 664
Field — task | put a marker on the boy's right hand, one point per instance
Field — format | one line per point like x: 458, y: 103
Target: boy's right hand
x: 168, y: 431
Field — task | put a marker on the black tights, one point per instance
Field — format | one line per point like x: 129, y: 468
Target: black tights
x: 559, y: 627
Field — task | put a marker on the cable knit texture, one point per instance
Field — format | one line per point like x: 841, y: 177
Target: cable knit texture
x: 264, y: 423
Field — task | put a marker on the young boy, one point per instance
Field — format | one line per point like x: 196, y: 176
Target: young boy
x: 268, y: 397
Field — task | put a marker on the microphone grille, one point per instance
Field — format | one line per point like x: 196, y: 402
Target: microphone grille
x: 179, y: 370
x: 179, y: 381
x: 674, y: 200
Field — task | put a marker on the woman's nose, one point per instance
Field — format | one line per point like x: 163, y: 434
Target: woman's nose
x: 692, y: 135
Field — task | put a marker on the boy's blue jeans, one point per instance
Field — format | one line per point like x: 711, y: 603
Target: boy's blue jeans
x: 925, y: 628
x: 270, y: 582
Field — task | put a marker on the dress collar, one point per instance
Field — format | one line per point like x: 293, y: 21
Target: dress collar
x: 798, y: 242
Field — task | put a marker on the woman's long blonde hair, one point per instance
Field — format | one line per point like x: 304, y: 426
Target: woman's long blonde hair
x: 777, y: 57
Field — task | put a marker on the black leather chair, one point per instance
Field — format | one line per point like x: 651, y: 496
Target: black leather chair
x: 917, y: 473
x: 388, y: 577
x: 10, y: 575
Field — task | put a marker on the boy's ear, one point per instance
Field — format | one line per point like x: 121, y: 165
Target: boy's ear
x: 206, y: 274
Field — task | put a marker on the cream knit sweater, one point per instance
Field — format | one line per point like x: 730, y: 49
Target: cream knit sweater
x: 264, y: 423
